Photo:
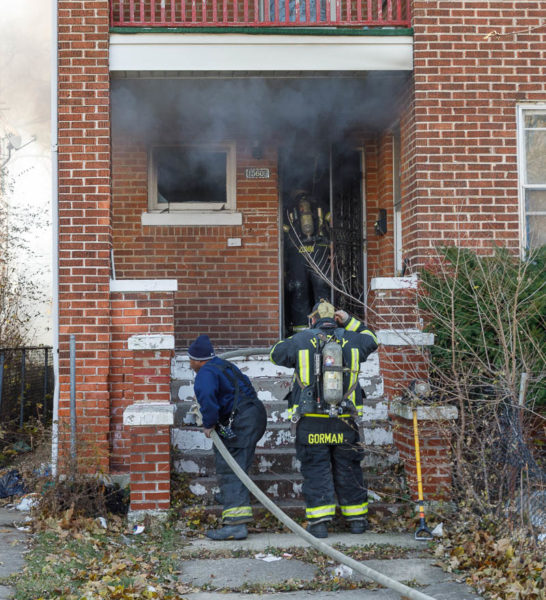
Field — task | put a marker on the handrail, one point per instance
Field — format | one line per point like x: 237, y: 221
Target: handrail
x: 260, y: 13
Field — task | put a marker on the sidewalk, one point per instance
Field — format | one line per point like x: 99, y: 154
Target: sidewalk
x: 13, y: 544
x: 236, y: 573
x: 216, y: 572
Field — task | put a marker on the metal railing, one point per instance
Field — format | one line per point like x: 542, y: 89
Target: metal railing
x: 26, y: 384
x: 260, y: 13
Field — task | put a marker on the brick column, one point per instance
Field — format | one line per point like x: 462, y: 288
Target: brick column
x: 402, y: 352
x: 84, y: 225
x: 149, y: 420
x: 435, y: 432
x: 138, y: 307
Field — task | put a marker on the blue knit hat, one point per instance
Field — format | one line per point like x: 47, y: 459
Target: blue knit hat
x: 201, y: 349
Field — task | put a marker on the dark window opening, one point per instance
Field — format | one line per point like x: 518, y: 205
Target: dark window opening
x: 191, y: 175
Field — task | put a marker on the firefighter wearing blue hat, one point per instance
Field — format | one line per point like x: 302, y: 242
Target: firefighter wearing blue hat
x: 229, y: 405
x: 325, y: 402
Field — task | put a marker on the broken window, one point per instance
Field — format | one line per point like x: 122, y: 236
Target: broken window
x: 192, y: 177
x: 532, y: 171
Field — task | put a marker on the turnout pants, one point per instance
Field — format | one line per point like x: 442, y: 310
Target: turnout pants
x: 330, y: 454
x: 249, y: 426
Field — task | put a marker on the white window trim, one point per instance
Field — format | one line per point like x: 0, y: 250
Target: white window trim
x: 202, y: 208
x: 522, y: 162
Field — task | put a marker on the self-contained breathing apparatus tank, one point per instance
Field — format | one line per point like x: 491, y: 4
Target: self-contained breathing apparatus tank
x: 332, y: 373
x: 305, y: 216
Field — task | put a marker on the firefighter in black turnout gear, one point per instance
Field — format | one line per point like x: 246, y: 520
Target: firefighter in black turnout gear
x: 228, y: 404
x: 325, y: 401
x: 306, y: 234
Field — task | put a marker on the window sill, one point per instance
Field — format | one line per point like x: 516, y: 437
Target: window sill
x: 191, y: 218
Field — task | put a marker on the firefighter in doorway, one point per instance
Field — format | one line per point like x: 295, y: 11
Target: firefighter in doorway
x: 228, y: 404
x: 325, y: 402
x: 306, y: 237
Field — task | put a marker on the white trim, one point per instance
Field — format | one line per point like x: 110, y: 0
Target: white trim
x: 190, y: 218
x: 143, y: 285
x: 425, y: 413
x: 240, y: 52
x: 394, y: 283
x: 148, y: 413
x: 405, y: 337
x: 151, y: 342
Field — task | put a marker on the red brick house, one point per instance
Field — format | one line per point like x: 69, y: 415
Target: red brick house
x: 183, y: 129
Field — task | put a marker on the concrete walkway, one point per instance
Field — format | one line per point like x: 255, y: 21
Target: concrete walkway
x: 235, y: 573
x: 217, y: 573
x: 13, y: 544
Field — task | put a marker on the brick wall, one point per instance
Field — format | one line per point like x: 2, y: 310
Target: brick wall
x: 84, y: 221
x: 463, y: 141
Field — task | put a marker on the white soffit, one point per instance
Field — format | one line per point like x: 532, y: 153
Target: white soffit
x: 239, y: 52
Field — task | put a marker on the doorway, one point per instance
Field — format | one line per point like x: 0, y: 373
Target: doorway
x: 322, y: 215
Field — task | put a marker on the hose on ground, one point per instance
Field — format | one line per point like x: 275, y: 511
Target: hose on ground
x: 402, y: 589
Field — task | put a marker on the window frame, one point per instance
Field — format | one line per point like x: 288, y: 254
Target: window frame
x: 397, y: 200
x: 523, y: 186
x: 229, y: 206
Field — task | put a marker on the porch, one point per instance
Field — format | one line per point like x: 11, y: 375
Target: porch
x: 259, y: 13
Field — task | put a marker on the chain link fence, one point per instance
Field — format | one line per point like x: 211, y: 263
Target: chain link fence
x: 26, y: 385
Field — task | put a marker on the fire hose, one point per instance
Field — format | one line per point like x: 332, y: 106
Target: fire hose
x: 338, y: 556
x: 404, y: 590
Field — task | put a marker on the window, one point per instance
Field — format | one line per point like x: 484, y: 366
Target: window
x: 397, y: 200
x: 194, y: 178
x: 532, y: 174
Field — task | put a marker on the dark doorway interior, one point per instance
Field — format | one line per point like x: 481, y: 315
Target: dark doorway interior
x: 321, y: 204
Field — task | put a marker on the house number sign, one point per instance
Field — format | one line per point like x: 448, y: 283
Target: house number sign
x: 254, y: 173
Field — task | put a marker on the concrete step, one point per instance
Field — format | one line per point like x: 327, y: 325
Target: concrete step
x: 271, y: 460
x: 268, y: 460
x: 295, y: 508
x: 285, y: 486
x: 271, y: 381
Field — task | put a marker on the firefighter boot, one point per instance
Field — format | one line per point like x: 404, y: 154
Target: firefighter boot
x: 358, y: 525
x: 228, y: 532
x: 319, y: 530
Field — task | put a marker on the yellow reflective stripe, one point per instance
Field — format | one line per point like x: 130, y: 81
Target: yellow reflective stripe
x: 354, y: 510
x: 353, y: 325
x: 300, y: 328
x: 323, y: 416
x: 371, y: 333
x: 355, y: 365
x: 272, y: 350
x: 237, y: 511
x: 292, y: 410
x: 320, y: 511
x: 303, y: 361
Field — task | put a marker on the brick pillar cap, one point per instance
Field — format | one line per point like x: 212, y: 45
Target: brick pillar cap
x: 148, y: 413
x: 424, y: 413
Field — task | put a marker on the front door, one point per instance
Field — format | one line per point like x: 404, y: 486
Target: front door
x: 322, y: 220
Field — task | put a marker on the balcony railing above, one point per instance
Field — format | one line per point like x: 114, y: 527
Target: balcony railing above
x: 260, y: 13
